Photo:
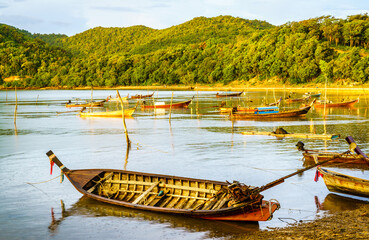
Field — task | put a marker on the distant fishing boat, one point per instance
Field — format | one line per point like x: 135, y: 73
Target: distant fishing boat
x: 270, y: 113
x: 183, y: 104
x: 294, y: 135
x: 140, y: 96
x: 111, y: 114
x: 312, y: 95
x: 321, y: 104
x: 111, y: 99
x: 228, y: 94
x: 89, y: 104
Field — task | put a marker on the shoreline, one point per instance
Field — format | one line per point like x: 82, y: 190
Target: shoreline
x: 348, y: 224
x: 362, y: 89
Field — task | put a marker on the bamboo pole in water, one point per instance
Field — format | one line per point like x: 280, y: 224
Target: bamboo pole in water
x: 170, y: 107
x: 16, y: 106
x: 197, y: 104
x: 15, y: 110
x: 124, y: 121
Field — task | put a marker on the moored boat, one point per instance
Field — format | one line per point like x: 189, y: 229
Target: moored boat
x: 198, y: 198
x: 349, y: 158
x: 271, y: 114
x: 111, y: 99
x: 341, y: 183
x: 183, y: 104
x: 321, y: 104
x: 294, y: 135
x: 127, y: 113
x: 89, y: 104
x: 140, y: 96
x: 228, y: 94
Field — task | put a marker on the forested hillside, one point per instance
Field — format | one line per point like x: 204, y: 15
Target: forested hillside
x: 204, y: 50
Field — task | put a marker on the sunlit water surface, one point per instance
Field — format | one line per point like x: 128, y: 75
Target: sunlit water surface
x: 198, y: 142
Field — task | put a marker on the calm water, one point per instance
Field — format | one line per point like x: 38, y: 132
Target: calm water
x: 198, y: 143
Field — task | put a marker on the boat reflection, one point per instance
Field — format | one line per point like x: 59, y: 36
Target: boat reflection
x: 87, y: 207
x: 337, y: 203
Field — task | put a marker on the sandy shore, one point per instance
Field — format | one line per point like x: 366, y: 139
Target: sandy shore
x: 235, y: 86
x: 349, y: 224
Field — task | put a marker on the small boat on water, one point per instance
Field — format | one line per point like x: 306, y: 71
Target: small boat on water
x: 183, y: 104
x: 312, y: 95
x: 228, y: 94
x: 111, y: 114
x: 348, y: 158
x: 294, y: 135
x: 341, y: 183
x: 270, y: 113
x: 140, y: 96
x: 116, y: 99
x: 89, y: 104
x: 198, y: 198
x: 321, y: 104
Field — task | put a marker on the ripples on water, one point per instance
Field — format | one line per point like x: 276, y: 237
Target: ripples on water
x: 199, y: 142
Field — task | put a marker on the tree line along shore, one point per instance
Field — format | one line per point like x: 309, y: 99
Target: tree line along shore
x: 202, y: 51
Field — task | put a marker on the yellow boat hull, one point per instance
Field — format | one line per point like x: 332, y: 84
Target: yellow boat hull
x: 127, y: 113
x: 337, y: 182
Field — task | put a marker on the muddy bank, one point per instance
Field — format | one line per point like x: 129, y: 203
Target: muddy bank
x: 349, y: 224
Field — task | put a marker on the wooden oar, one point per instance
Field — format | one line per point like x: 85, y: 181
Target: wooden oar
x: 281, y: 180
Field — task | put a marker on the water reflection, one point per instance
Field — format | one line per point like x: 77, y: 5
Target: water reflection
x: 338, y: 203
x: 87, y: 207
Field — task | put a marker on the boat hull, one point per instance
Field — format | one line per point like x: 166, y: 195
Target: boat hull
x: 341, y: 183
x: 342, y: 104
x: 167, y: 106
x: 93, y: 104
x: 113, y: 114
x: 183, y: 195
x: 311, y: 156
x: 283, y: 114
x: 228, y: 95
x: 294, y: 135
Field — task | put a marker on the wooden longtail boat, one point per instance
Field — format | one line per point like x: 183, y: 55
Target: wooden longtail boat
x: 228, y: 94
x: 282, y: 114
x: 357, y: 157
x: 338, y: 182
x: 294, y: 135
x: 90, y: 104
x: 311, y: 156
x: 312, y: 95
x: 140, y: 96
x: 110, y: 99
x: 321, y: 104
x: 170, y: 194
x: 247, y: 109
x: 127, y: 113
x: 293, y: 100
x: 173, y: 105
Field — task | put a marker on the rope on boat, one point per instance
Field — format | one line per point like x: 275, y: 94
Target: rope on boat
x: 44, y: 181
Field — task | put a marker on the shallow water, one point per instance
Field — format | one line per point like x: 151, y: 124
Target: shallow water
x: 198, y: 142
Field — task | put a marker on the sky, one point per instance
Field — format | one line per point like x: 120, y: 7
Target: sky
x: 75, y: 16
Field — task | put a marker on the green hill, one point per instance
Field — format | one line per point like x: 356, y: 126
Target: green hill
x: 204, y: 50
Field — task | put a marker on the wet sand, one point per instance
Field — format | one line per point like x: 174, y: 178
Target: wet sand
x: 349, y: 224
